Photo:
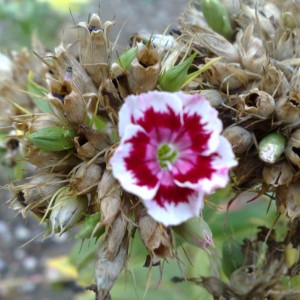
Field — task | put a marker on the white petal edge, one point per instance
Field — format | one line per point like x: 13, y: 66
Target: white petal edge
x: 135, y: 106
x: 197, y: 104
x: 173, y: 214
x: 220, y: 177
x: 123, y: 175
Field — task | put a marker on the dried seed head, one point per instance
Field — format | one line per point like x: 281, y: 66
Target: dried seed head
x: 273, y: 81
x: 284, y: 45
x: 196, y: 232
x: 109, y: 95
x: 252, y: 51
x: 144, y: 70
x: 228, y: 75
x: 109, y: 197
x: 107, y: 271
x: 240, y: 138
x: 115, y: 236
x: 57, y: 161
x: 67, y: 68
x: 278, y: 174
x: 271, y: 147
x: 215, y: 97
x: 292, y: 150
x: 85, y: 177
x: 155, y: 237
x: 288, y: 200
x: 67, y: 210
x: 258, y: 103
x: 287, y: 108
x: 75, y: 109
x: 90, y: 142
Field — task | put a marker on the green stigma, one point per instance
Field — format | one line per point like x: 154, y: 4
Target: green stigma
x: 166, y: 153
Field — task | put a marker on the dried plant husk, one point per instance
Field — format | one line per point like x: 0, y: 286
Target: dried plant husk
x: 108, y: 270
x: 240, y: 138
x: 95, y: 48
x: 287, y: 108
x: 156, y: 238
x: 86, y: 177
x: 215, y: 97
x: 143, y: 72
x: 292, y: 150
x: 288, y: 200
x: 67, y: 210
x: 280, y: 173
x: 90, y: 142
x: 258, y: 103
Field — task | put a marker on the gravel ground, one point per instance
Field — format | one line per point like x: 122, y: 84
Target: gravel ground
x: 26, y: 264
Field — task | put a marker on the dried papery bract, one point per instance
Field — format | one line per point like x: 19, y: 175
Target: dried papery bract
x: 95, y: 48
x: 156, y: 238
x: 280, y: 173
x: 287, y: 108
x: 108, y: 270
x: 67, y: 210
x: 215, y: 97
x: 240, y: 138
x: 258, y: 103
x: 143, y: 72
x: 86, y: 177
x: 292, y: 150
x: 288, y: 200
x: 109, y: 198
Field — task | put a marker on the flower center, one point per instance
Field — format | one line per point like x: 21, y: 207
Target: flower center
x: 166, y: 153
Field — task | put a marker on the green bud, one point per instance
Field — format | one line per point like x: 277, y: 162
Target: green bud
x: 216, y: 17
x: 126, y: 58
x: 233, y: 257
x: 88, y: 226
x: 176, y: 77
x: 196, y: 232
x: 53, y: 138
x: 68, y: 209
x: 271, y: 147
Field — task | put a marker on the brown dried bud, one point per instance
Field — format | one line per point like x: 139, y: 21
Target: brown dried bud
x: 57, y: 161
x: 278, y: 174
x: 94, y: 48
x: 156, y: 238
x: 239, y: 138
x: 228, y: 75
x: 107, y: 271
x: 109, y: 197
x: 258, y: 103
x: 75, y: 109
x: 292, y: 150
x: 215, y: 97
x: 115, y: 236
x: 144, y: 70
x: 252, y: 51
x: 85, y: 177
x: 67, y: 68
x: 288, y: 200
x: 90, y: 142
x: 287, y: 109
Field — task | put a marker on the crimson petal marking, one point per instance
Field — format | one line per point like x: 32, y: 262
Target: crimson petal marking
x: 135, y: 107
x: 196, y: 109
x: 176, y: 213
x: 135, y: 165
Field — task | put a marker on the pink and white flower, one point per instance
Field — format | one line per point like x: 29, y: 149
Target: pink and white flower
x: 171, y: 153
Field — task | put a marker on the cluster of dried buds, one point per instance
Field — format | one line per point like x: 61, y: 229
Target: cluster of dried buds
x: 82, y: 174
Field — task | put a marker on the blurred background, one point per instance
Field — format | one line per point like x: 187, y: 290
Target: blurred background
x: 34, y: 268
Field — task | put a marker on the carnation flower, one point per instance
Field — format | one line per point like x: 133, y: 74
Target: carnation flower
x: 171, y: 153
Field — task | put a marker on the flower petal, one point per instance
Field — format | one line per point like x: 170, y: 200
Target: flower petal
x: 179, y: 205
x: 201, y: 123
x: 153, y: 111
x: 206, y: 173
x: 135, y: 165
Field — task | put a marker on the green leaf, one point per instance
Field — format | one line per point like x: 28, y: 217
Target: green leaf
x: 37, y: 94
x: 126, y: 58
